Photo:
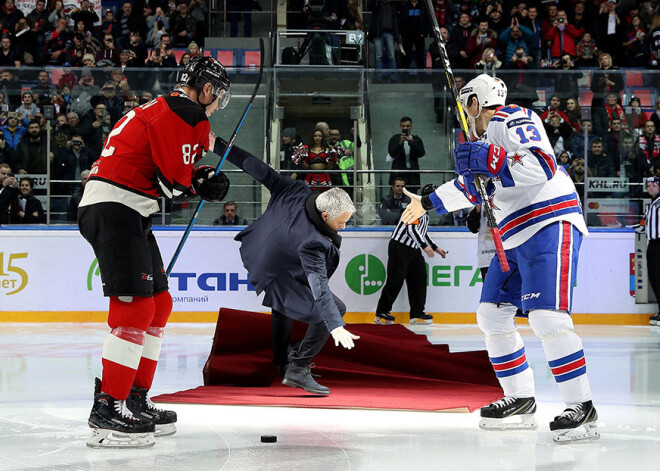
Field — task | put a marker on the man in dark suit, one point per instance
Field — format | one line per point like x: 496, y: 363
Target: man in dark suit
x: 290, y: 253
x: 405, y: 149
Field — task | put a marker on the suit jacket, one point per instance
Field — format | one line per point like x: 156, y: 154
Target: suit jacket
x: 285, y: 255
x: 8, y: 195
x: 397, y: 152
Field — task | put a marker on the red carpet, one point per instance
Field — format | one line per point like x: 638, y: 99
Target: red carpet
x: 389, y: 368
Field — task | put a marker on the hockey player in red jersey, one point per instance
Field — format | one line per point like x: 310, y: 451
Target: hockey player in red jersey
x: 151, y: 151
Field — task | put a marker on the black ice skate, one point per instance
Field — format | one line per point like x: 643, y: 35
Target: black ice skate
x: 655, y: 319
x: 576, y: 423
x: 504, y: 414
x: 114, y: 426
x: 301, y: 377
x: 384, y: 319
x: 142, y: 407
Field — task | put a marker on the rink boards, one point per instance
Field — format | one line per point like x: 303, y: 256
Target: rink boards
x: 52, y: 275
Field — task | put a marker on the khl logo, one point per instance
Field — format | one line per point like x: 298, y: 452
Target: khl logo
x: 365, y: 274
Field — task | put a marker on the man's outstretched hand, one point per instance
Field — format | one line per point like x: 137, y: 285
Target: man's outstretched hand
x: 414, y: 210
x: 343, y: 337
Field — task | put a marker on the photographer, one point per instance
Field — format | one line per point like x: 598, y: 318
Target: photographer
x: 566, y: 81
x: 562, y: 36
x: 162, y: 57
x: 405, y: 149
x: 517, y: 80
x: 513, y: 38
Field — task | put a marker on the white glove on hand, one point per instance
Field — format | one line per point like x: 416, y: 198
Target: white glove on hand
x: 344, y: 337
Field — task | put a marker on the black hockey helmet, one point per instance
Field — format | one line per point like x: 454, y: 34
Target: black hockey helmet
x: 428, y: 189
x: 201, y: 70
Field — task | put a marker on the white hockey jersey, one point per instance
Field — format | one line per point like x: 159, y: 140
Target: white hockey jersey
x: 531, y: 191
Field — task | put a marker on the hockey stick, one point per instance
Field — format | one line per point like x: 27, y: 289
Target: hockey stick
x: 230, y: 144
x: 478, y: 183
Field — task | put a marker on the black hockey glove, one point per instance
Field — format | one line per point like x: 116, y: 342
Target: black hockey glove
x: 208, y: 185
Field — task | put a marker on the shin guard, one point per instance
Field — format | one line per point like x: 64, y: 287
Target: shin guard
x: 564, y: 352
x: 123, y: 347
x: 153, y: 341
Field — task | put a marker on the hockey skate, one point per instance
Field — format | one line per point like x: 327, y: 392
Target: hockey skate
x: 576, y: 423
x: 655, y: 320
x: 114, y: 426
x: 424, y: 319
x: 496, y: 415
x: 142, y: 407
x: 384, y: 319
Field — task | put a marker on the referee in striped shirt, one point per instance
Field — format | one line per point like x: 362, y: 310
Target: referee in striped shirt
x: 652, y: 218
x: 406, y: 263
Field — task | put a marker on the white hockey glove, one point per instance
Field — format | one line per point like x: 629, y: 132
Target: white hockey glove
x: 343, y: 337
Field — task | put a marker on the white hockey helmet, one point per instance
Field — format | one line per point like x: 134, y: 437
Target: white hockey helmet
x: 490, y: 91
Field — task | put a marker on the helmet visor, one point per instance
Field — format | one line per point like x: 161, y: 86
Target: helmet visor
x: 223, y: 98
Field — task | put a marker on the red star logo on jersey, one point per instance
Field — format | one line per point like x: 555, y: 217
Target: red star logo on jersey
x: 516, y: 159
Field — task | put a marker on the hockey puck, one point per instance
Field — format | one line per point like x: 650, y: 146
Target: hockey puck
x: 268, y: 439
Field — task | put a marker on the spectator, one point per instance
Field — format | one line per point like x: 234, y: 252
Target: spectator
x: 10, y: 85
x: 351, y: 19
x: 414, y: 28
x: 512, y: 38
x: 559, y: 133
x: 535, y: 42
x: 129, y: 19
x: 601, y: 164
x: 653, y: 46
x: 609, y: 30
x: 13, y: 130
x: 31, y: 150
x: 72, y: 211
x: 58, y: 102
x: 480, y: 39
x: 28, y: 46
x: 290, y: 140
x: 6, y: 152
x: 573, y: 112
x: 108, y: 55
x: 566, y: 80
x: 496, y: 21
x: 634, y: 116
x: 577, y: 140
x: 8, y: 192
x: 235, y: 10
x: 581, y: 19
x: 199, y: 11
x: 27, y: 209
x: 109, y: 25
x: 346, y: 159
x: 162, y: 56
x: 76, y: 53
x: 602, y: 117
x: 28, y: 108
x: 392, y: 205
x: 83, y: 93
x: 613, y: 139
x: 185, y: 58
x: 655, y: 117
x: 57, y: 43
x: 562, y: 36
x: 158, y: 25
x: 458, y: 37
x: 405, y: 149
x: 605, y: 80
x: 57, y: 14
x: 587, y: 51
x: 41, y: 91
x: 405, y: 263
x: 9, y: 15
x: 70, y: 162
x: 8, y: 57
x: 634, y: 166
x: 489, y: 62
x: 554, y: 108
x: 318, y: 157
x: 229, y: 216
x: 183, y: 27
x: 564, y: 160
x: 383, y: 31
x: 138, y: 50
x: 648, y: 146
x: 517, y: 80
x: 577, y: 175
x: 109, y: 96
x: 86, y: 15
x: 633, y: 43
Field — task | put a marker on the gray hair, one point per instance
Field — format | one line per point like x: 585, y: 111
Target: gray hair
x: 335, y: 202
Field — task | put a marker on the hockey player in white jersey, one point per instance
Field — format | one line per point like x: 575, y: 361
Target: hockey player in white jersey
x: 540, y: 219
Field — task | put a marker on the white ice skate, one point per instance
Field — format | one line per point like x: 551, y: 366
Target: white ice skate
x: 576, y: 423
x: 509, y: 413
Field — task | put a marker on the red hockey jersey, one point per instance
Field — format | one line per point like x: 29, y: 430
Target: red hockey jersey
x: 150, y: 152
